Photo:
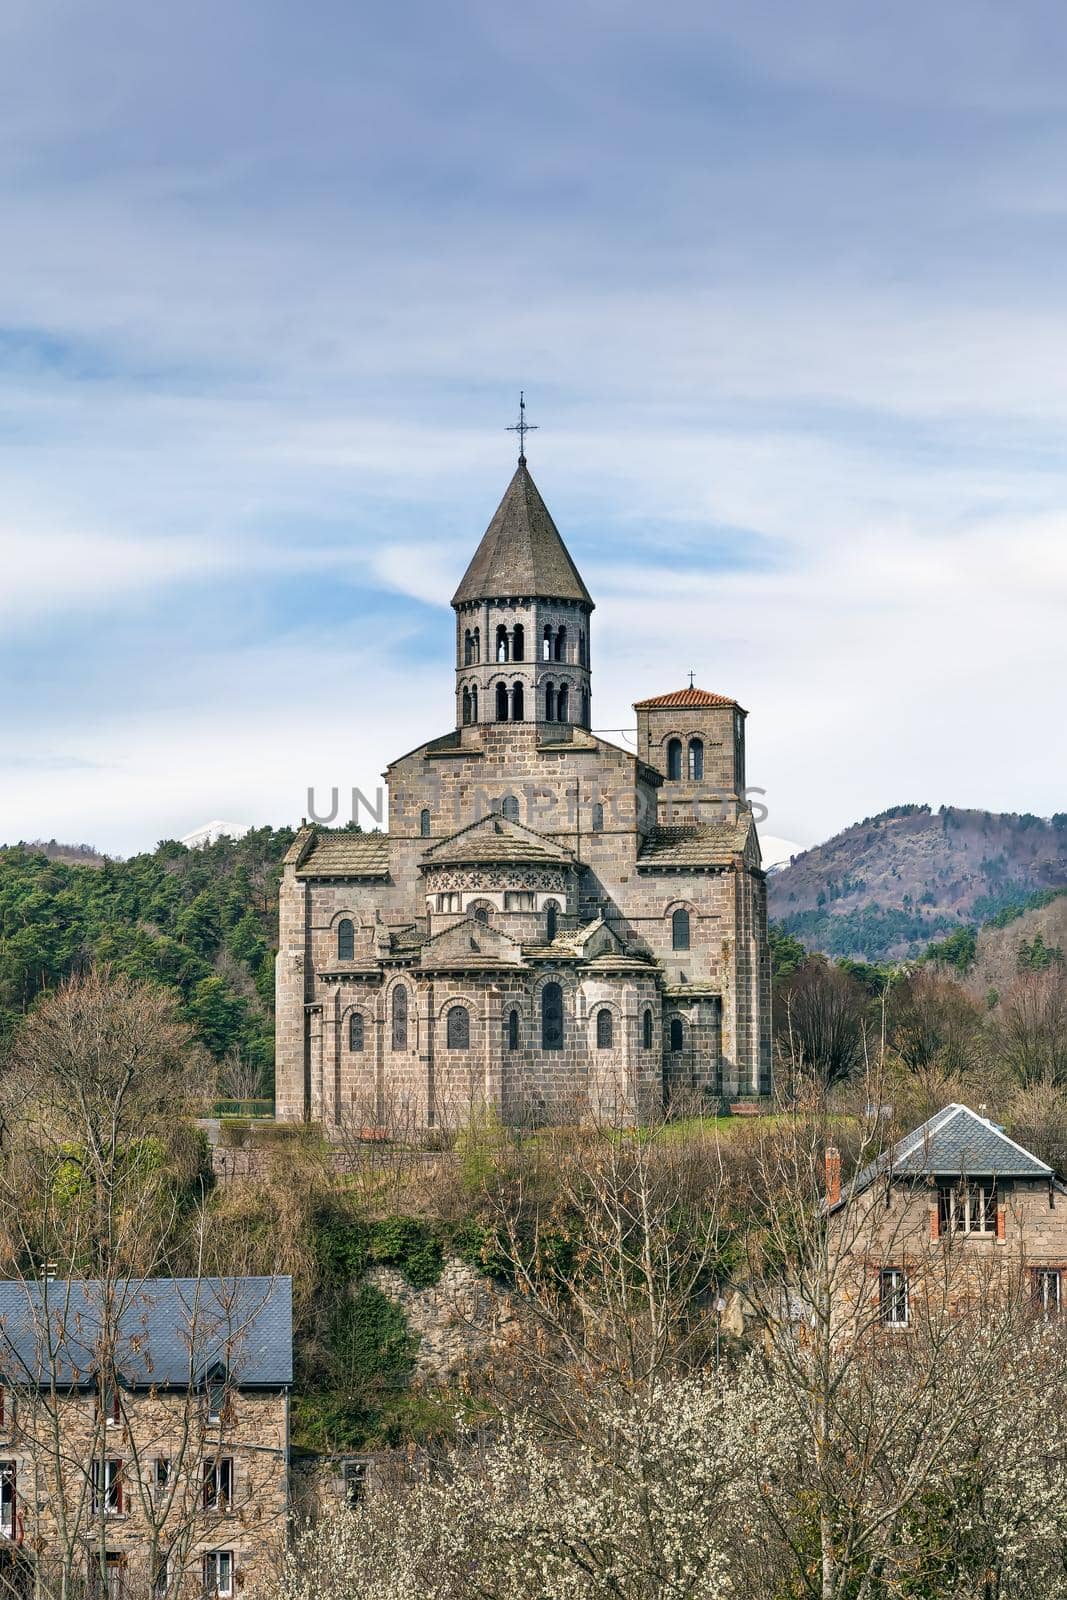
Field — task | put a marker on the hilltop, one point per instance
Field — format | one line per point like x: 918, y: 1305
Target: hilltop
x: 887, y: 886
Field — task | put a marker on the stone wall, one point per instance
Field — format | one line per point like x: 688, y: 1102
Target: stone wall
x: 464, y: 1322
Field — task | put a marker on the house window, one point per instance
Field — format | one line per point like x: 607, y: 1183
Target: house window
x: 218, y: 1575
x: 509, y: 808
x: 215, y: 1390
x: 677, y: 1032
x: 400, y: 1017
x: 646, y: 1028
x: 967, y: 1207
x: 513, y: 1029
x: 1046, y: 1286
x: 218, y: 1484
x: 680, y: 929
x: 424, y: 824
x: 458, y: 1028
x: 161, y: 1474
x: 7, y: 1499
x: 696, y: 760
x: 674, y: 759
x: 109, y: 1402
x: 551, y: 920
x: 893, y: 1297
x: 603, y: 1029
x: 161, y: 1579
x: 355, y: 1030
x: 346, y: 939
x: 501, y: 702
x: 107, y: 1575
x: 598, y: 818
x: 518, y: 642
x: 355, y: 1481
x: 551, y: 1017
x: 106, y: 1480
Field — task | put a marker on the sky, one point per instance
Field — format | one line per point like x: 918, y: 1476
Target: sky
x: 785, y: 289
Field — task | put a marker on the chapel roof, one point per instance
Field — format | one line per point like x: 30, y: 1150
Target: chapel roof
x: 684, y: 699
x: 521, y: 553
x: 700, y: 844
x: 327, y: 854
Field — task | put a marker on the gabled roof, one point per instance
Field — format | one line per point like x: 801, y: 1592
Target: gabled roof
x: 521, y: 553
x: 684, y: 698
x: 700, y: 844
x: 954, y: 1143
x: 170, y: 1331
x: 496, y: 838
x: 470, y: 943
x: 341, y: 854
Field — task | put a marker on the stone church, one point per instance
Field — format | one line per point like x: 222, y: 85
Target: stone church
x: 553, y: 926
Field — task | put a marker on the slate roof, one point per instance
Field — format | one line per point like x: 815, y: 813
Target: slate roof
x: 954, y: 1143
x: 684, y: 698
x: 702, y: 844
x: 493, y: 839
x: 521, y: 552
x: 171, y: 1331
x: 339, y: 854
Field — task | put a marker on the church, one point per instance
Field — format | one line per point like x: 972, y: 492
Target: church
x: 553, y: 927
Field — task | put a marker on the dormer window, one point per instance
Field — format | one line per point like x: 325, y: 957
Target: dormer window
x: 109, y: 1402
x: 215, y: 1395
x: 969, y: 1206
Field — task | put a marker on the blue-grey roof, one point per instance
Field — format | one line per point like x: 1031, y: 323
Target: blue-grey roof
x: 954, y: 1143
x: 167, y: 1331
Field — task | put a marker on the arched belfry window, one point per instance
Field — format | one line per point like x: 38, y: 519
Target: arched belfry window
x: 513, y: 1029
x: 468, y: 648
x: 400, y: 1017
x: 585, y: 708
x: 518, y: 706
x: 677, y: 1035
x: 509, y: 807
x: 680, y: 929
x: 458, y: 1028
x: 355, y: 1030
x: 518, y: 643
x: 474, y: 702
x: 551, y: 1017
x: 477, y: 644
x: 551, y: 920
x: 550, y: 702
x: 581, y: 648
x: 466, y: 706
x: 561, y: 644
x: 603, y: 1029
x: 646, y: 1028
x: 598, y: 818
x: 696, y: 760
x: 546, y: 645
x: 674, y: 759
x: 562, y: 704
x: 346, y: 939
x: 501, y: 702
x: 502, y: 643
x: 424, y: 824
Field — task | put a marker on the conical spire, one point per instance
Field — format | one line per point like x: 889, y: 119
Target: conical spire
x: 521, y: 553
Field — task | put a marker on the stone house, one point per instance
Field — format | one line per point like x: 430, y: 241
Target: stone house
x: 144, y: 1435
x: 553, y: 925
x: 954, y: 1216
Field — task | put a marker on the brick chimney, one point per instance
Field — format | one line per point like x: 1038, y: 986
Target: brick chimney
x: 833, y: 1175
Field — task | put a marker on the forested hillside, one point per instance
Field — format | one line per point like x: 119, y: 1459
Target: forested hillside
x: 203, y: 922
x: 887, y: 886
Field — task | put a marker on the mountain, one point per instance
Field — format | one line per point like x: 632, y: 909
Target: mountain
x: 889, y: 885
x: 211, y: 832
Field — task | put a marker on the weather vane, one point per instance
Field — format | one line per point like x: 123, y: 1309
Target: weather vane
x: 522, y: 428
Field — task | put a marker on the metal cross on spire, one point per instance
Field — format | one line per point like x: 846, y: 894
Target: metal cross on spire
x: 522, y: 428
x: 692, y: 675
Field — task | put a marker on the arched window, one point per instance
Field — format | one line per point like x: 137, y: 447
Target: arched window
x: 677, y: 1035
x: 585, y: 708
x: 603, y: 1029
x: 581, y: 648
x: 458, y: 1028
x: 518, y: 709
x: 477, y: 644
x: 355, y: 1030
x: 481, y: 913
x: 502, y: 643
x: 550, y: 702
x: 562, y: 707
x: 501, y: 702
x: 551, y: 920
x: 424, y: 824
x: 546, y: 645
x: 474, y: 702
x: 466, y: 706
x: 696, y: 760
x: 561, y: 644
x: 551, y: 1017
x: 680, y: 929
x: 513, y: 1030
x: 646, y: 1028
x: 674, y: 759
x: 518, y: 643
x: 598, y: 818
x: 468, y: 648
x: 400, y: 1017
x: 346, y: 939
x: 509, y: 807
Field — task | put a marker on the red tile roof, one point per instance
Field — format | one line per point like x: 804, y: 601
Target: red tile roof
x: 684, y: 697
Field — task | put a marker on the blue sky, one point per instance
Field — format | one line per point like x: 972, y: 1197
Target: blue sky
x: 786, y: 291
